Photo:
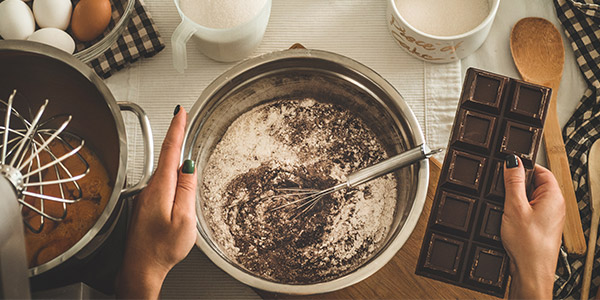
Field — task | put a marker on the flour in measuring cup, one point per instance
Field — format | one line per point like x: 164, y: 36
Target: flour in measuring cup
x: 221, y: 13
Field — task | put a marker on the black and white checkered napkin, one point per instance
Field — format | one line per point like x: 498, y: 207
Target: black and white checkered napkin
x: 581, y: 21
x: 139, y: 39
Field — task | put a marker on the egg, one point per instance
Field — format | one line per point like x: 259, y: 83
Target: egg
x: 52, y: 13
x: 54, y: 37
x: 16, y: 20
x: 90, y: 18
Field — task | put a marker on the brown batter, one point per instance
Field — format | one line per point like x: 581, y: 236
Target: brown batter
x: 58, y: 237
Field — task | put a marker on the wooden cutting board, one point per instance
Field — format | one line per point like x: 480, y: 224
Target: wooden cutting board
x: 397, y: 278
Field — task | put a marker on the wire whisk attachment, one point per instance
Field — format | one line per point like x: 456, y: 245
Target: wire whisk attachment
x: 42, y: 162
x: 306, y: 198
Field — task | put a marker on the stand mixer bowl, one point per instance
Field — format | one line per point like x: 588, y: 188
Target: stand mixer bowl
x: 41, y: 72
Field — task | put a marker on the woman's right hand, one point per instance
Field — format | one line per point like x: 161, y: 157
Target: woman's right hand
x: 531, y: 230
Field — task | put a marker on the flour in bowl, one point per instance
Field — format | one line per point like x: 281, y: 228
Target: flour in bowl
x: 297, y: 143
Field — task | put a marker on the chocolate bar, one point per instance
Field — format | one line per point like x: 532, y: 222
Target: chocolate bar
x: 496, y: 116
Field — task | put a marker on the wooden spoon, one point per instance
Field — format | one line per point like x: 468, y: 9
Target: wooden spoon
x: 594, y: 186
x: 538, y: 53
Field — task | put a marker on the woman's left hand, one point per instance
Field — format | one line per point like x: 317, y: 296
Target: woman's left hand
x: 162, y: 230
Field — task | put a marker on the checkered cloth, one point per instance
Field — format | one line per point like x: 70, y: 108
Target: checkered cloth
x: 581, y: 21
x: 139, y: 39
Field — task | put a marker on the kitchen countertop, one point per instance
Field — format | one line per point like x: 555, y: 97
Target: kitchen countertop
x: 329, y: 25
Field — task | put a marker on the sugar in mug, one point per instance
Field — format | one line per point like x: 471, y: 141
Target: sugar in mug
x: 220, y: 44
x: 438, y: 49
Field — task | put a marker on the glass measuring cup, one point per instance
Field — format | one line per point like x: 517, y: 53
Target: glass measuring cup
x: 220, y: 44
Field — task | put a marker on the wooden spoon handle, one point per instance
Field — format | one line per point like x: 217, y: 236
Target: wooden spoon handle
x: 589, y: 260
x: 558, y: 163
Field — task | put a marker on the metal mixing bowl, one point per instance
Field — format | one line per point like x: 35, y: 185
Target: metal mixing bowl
x: 40, y: 72
x: 326, y: 77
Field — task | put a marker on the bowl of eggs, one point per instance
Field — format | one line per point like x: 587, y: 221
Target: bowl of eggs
x: 84, y: 28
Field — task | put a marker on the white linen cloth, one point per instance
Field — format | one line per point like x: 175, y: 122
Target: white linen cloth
x: 356, y: 29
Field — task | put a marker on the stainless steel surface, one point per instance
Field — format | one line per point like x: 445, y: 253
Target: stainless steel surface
x: 46, y: 72
x: 148, y: 147
x: 326, y: 77
x: 12, y: 175
x: 397, y: 161
x: 309, y: 197
x: 14, y: 283
x: 24, y: 144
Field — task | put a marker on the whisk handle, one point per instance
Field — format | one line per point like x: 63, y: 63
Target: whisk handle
x: 395, y: 162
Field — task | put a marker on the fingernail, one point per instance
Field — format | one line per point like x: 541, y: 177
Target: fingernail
x: 511, y: 161
x: 188, y: 166
x: 177, y: 108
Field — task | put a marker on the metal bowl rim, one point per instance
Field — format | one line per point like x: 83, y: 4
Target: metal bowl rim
x: 85, y: 71
x: 392, y: 248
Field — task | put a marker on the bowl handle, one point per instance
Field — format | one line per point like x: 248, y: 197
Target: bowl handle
x: 148, y: 147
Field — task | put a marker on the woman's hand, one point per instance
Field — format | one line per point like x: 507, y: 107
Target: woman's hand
x: 162, y: 230
x: 531, y: 230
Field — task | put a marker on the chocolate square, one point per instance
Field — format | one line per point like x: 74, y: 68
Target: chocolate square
x: 476, y: 129
x: 521, y: 140
x: 455, y: 211
x: 485, y: 91
x: 489, y: 266
x: 496, y: 185
x: 444, y: 254
x: 466, y: 169
x: 530, y: 102
x: 491, y: 221
x: 529, y: 173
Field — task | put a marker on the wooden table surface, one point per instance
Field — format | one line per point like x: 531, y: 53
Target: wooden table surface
x: 397, y: 279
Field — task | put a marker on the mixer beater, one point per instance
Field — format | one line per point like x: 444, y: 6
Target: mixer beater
x: 30, y: 161
x: 32, y: 172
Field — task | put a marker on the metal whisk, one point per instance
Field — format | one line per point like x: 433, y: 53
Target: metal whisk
x: 30, y: 163
x: 310, y: 197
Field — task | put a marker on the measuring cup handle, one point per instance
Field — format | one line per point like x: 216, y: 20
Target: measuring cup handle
x: 179, y: 39
x: 148, y: 147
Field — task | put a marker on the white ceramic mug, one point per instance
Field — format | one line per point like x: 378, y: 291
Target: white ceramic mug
x: 220, y: 44
x: 438, y: 49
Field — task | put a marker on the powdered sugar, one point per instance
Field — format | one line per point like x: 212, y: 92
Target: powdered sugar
x: 443, y: 17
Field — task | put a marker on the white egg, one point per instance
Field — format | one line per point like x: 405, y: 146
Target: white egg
x: 54, y: 37
x: 52, y: 13
x: 16, y: 20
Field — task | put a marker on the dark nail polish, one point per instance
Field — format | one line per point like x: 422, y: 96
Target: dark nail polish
x: 511, y: 161
x: 188, y: 166
x: 177, y: 108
